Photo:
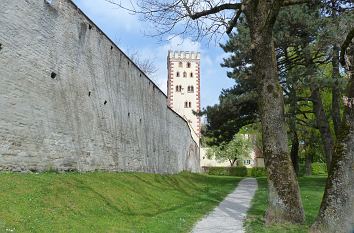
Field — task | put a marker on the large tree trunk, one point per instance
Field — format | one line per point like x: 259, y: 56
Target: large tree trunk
x: 336, y: 92
x: 284, y: 201
x: 337, y: 207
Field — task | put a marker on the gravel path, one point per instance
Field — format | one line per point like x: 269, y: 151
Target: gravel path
x: 230, y: 214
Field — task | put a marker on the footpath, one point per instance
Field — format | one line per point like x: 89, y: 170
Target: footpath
x: 231, y: 212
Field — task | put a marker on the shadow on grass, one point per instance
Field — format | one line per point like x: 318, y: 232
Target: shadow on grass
x: 311, y: 189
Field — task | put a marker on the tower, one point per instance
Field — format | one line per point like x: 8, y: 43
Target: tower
x: 183, y: 86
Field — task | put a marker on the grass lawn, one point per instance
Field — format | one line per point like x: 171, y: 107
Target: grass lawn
x: 107, y: 202
x: 311, y: 192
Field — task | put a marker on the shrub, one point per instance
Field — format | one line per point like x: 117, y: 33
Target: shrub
x: 319, y: 169
x: 217, y: 171
x: 238, y: 171
x: 258, y: 171
x: 226, y: 171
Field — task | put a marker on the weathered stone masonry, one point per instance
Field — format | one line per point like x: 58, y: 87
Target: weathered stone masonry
x: 71, y: 100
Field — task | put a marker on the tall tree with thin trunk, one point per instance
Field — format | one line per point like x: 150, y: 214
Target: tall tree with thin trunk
x: 337, y: 207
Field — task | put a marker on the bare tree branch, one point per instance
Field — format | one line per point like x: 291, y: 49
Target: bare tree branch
x: 233, y: 22
x: 213, y: 10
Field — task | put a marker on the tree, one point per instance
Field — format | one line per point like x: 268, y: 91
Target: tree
x: 145, y: 64
x: 207, y: 17
x: 238, y: 148
x: 336, y: 211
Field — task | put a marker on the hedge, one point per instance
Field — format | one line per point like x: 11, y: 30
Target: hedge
x: 317, y: 169
x: 226, y: 171
x: 235, y: 171
x: 258, y: 172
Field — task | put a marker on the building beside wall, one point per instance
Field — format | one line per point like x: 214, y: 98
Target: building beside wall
x: 183, y: 87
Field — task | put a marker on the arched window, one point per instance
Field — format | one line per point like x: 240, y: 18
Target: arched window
x: 184, y: 74
x: 186, y: 104
x: 190, y: 104
x: 188, y: 65
x: 191, y: 75
x: 192, y: 89
x: 178, y: 88
x: 177, y: 75
x: 180, y: 64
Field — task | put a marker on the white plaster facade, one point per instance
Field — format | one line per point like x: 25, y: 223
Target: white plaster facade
x: 183, y: 86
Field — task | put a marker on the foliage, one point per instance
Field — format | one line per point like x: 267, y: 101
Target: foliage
x: 238, y: 105
x: 258, y: 172
x: 217, y: 171
x: 238, y: 171
x: 311, y: 192
x: 108, y: 202
x: 238, y: 148
x: 226, y: 171
x: 319, y: 169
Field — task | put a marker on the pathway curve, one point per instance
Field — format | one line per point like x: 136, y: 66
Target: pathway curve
x: 231, y: 212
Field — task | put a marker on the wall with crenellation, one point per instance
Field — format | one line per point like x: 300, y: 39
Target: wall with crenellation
x: 71, y: 100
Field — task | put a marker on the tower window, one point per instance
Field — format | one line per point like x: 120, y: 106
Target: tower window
x: 188, y: 65
x: 190, y: 89
x: 177, y: 74
x: 191, y: 74
x: 180, y: 64
x: 184, y: 74
x: 187, y: 104
x: 178, y: 88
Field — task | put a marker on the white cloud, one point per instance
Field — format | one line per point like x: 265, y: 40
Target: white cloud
x: 182, y: 44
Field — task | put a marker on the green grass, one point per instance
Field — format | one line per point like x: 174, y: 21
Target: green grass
x: 311, y: 193
x: 107, y: 202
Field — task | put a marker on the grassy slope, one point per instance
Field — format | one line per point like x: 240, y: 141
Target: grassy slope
x: 311, y: 192
x: 107, y: 202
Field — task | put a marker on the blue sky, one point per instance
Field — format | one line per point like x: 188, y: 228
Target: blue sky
x: 129, y: 33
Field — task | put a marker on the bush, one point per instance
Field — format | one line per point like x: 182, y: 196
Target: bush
x: 217, y: 171
x: 258, y: 171
x: 226, y: 171
x: 319, y: 169
x: 238, y: 171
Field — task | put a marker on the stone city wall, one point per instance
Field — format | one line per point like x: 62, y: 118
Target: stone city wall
x: 71, y: 100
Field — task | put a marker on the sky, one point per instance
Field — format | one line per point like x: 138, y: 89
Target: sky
x: 129, y: 34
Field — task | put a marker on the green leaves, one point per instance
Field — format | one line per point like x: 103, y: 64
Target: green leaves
x: 239, y: 147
